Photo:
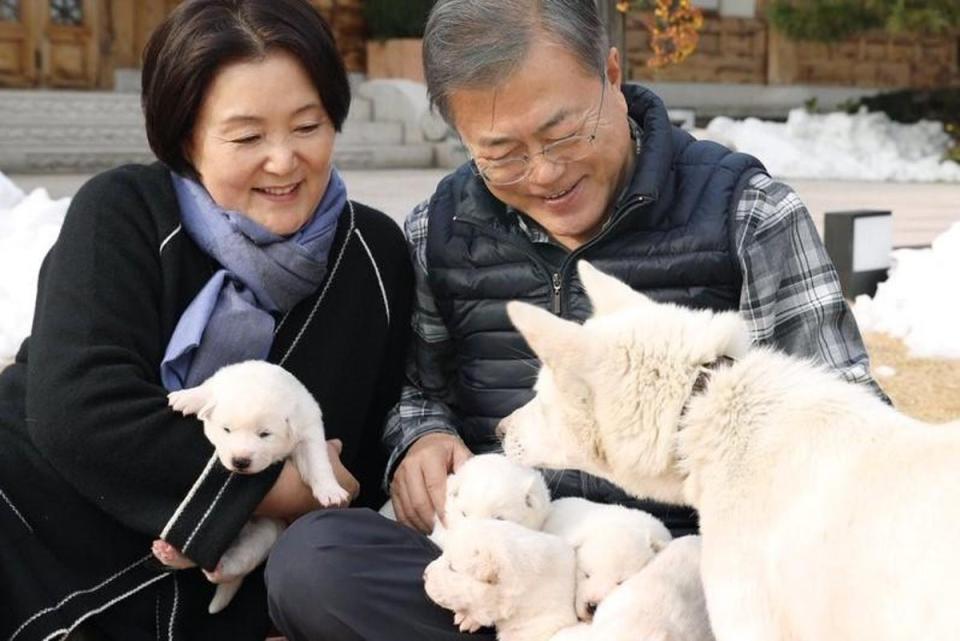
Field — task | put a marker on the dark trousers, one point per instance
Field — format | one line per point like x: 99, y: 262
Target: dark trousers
x: 352, y: 575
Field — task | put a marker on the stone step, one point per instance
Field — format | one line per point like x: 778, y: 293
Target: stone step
x: 18, y: 106
x: 91, y: 159
x: 371, y: 133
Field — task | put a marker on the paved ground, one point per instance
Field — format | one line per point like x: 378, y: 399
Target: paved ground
x: 920, y: 211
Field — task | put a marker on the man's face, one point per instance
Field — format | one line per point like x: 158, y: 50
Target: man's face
x: 551, y: 97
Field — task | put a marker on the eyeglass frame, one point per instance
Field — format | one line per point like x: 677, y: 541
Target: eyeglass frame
x: 544, y: 151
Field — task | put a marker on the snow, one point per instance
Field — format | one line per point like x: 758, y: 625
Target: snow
x: 918, y: 303
x: 29, y: 224
x: 841, y: 146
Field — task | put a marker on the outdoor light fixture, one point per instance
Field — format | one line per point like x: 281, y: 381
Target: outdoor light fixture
x: 859, y: 243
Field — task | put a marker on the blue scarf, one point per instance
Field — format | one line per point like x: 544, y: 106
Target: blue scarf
x: 264, y: 275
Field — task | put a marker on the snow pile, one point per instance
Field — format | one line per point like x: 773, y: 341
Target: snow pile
x: 841, y: 146
x: 29, y: 224
x: 918, y: 303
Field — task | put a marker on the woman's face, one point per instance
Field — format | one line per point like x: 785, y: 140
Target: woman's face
x: 263, y: 143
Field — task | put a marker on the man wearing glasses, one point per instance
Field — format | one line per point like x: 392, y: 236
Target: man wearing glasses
x: 566, y: 164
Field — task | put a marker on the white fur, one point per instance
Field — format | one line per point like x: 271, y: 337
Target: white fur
x: 256, y: 414
x: 662, y: 602
x: 825, y: 513
x: 612, y: 543
x: 505, y: 575
x: 491, y: 486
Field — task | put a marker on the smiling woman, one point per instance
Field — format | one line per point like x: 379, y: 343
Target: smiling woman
x: 240, y: 244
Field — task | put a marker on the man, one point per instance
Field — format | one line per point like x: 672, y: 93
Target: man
x: 566, y: 165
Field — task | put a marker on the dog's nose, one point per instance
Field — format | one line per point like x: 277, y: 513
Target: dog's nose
x: 591, y: 608
x: 240, y: 463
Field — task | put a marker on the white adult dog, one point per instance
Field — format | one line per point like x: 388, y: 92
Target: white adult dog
x: 825, y: 513
x: 505, y: 575
x: 612, y: 543
x: 256, y: 414
x: 662, y: 602
x: 491, y: 486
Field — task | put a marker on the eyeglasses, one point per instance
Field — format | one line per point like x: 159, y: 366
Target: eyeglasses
x: 509, y: 171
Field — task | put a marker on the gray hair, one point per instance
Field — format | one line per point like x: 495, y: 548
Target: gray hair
x: 476, y: 43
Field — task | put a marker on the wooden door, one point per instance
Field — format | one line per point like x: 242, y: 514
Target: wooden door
x: 18, y: 60
x: 132, y: 22
x: 70, y: 43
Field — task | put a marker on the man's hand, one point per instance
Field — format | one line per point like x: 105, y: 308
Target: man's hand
x: 419, y: 485
x: 290, y: 497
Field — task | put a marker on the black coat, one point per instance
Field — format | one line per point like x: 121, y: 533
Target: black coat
x: 94, y: 465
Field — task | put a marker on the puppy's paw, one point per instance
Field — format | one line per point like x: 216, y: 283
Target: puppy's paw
x: 170, y: 556
x: 331, y: 495
x: 187, y: 401
x: 465, y: 623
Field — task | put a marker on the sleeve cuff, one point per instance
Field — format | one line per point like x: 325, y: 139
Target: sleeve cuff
x: 211, y: 515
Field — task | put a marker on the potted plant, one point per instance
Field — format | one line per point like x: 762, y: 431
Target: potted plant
x: 395, y: 46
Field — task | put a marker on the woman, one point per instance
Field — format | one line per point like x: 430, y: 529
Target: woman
x: 240, y: 243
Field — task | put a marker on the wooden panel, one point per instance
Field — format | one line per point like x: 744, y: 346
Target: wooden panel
x: 70, y: 54
x: 17, y: 44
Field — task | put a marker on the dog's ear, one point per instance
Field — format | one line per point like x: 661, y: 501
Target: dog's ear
x: 552, y: 338
x: 608, y: 294
x: 195, y: 400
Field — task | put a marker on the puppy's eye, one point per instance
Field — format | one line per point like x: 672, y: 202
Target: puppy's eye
x: 463, y: 514
x: 226, y: 429
x: 497, y: 517
x: 263, y: 434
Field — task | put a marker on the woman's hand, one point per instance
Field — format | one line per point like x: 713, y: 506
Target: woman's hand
x: 290, y: 497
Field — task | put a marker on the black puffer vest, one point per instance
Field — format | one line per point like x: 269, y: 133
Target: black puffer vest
x: 670, y: 237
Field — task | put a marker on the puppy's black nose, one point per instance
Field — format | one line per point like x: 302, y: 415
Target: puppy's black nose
x: 591, y: 608
x: 240, y: 463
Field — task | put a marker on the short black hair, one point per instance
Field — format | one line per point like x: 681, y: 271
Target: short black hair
x: 200, y: 36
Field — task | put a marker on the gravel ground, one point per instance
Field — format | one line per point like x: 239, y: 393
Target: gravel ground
x: 925, y: 388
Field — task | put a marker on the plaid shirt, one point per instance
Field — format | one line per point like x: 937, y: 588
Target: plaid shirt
x: 791, y: 298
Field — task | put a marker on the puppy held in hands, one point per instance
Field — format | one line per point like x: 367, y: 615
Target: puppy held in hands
x: 505, y: 575
x: 256, y: 414
x: 491, y: 486
x: 612, y: 543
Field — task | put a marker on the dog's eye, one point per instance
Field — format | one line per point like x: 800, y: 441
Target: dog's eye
x: 263, y: 434
x: 497, y: 517
x: 226, y: 429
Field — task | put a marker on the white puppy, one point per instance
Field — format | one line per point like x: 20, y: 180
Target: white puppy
x: 491, y: 486
x: 825, y: 513
x: 256, y: 414
x: 505, y: 575
x: 662, y: 602
x: 612, y: 543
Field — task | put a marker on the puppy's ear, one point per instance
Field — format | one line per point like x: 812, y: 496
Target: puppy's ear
x: 453, y: 484
x: 608, y: 294
x: 195, y: 400
x: 487, y: 567
x: 537, y: 496
x: 657, y: 542
x: 553, y: 339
